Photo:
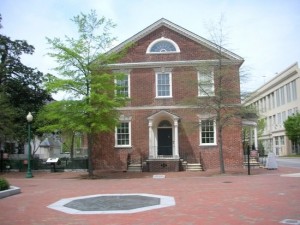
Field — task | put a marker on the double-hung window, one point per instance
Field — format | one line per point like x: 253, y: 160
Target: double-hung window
x: 163, y: 85
x: 206, y: 86
x: 207, y: 132
x: 123, y: 134
x: 123, y: 86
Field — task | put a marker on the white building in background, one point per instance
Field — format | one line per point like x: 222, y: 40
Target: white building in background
x: 275, y: 101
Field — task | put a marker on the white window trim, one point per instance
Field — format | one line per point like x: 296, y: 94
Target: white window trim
x: 116, y: 135
x: 199, y: 74
x: 162, y: 39
x: 128, y: 76
x: 200, y: 134
x: 156, y: 85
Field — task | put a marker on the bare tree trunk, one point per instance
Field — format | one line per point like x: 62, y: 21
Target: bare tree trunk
x: 90, y: 151
x: 222, y: 165
x: 72, y: 146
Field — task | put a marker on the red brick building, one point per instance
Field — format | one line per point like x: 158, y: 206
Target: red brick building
x: 161, y: 129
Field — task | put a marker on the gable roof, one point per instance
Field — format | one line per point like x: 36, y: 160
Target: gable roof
x: 182, y: 31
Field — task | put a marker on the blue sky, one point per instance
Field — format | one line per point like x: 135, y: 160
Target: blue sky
x: 265, y: 33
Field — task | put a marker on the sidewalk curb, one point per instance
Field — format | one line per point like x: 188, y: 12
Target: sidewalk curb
x: 13, y: 190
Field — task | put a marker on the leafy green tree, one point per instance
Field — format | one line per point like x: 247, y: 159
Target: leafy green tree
x: 292, y: 128
x: 83, y: 74
x: 20, y: 89
x: 7, y: 118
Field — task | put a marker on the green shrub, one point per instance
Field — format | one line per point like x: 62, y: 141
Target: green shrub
x: 4, y: 185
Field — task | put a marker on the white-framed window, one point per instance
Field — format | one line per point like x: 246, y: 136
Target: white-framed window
x: 282, y: 95
x: 273, y: 100
x: 277, y: 141
x: 278, y: 103
x: 279, y: 119
x: 208, y: 132
x: 288, y: 92
x: 123, y: 86
x: 163, y: 85
x: 283, y: 116
x: 282, y: 140
x: 123, y: 134
x: 206, y: 86
x: 294, y: 90
x: 162, y: 45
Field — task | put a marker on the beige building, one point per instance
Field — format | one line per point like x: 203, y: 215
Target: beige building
x: 275, y: 101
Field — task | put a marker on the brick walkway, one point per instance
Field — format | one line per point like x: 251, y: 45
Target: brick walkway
x: 203, y: 198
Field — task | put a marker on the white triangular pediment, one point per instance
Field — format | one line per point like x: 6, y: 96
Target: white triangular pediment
x: 163, y: 114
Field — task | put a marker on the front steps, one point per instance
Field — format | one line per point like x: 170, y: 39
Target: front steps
x: 134, y: 167
x: 194, y: 167
x: 137, y: 167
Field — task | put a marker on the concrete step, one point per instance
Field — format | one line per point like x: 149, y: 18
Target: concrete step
x: 134, y: 167
x: 194, y: 167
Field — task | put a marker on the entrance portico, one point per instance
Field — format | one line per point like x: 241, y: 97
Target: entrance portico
x: 163, y: 136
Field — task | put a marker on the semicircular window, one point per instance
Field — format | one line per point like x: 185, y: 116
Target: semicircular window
x: 163, y: 45
x: 165, y: 123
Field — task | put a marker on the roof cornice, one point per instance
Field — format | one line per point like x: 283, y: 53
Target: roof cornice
x: 278, y: 79
x: 194, y: 63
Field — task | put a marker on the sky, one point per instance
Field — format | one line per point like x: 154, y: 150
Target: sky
x: 265, y: 33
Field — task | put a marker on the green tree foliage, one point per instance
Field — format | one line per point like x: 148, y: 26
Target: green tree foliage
x: 20, y: 89
x: 8, y: 116
x: 292, y: 127
x: 84, y: 75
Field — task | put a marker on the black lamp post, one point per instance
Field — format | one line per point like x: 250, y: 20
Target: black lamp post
x: 29, y: 118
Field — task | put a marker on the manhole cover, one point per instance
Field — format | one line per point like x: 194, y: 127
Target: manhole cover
x: 112, y: 203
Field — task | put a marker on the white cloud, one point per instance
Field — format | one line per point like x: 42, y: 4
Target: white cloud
x: 266, y: 33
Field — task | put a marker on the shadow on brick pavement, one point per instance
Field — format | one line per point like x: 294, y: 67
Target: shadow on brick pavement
x: 206, y: 198
x: 114, y: 174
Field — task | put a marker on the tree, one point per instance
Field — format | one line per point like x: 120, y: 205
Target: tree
x: 7, y: 117
x: 20, y: 88
x: 292, y: 128
x: 220, y: 89
x: 85, y: 76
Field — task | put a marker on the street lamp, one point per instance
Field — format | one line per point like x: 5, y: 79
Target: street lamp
x: 29, y: 118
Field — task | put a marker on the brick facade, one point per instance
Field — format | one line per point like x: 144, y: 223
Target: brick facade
x: 146, y: 111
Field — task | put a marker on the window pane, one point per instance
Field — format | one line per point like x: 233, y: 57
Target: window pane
x: 163, y: 84
x: 206, y: 84
x: 123, y: 134
x: 122, y: 86
x: 207, y: 132
x: 163, y: 46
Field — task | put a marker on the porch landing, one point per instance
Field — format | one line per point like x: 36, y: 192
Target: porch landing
x: 163, y: 165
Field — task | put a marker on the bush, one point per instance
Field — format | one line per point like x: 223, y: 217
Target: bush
x: 4, y: 185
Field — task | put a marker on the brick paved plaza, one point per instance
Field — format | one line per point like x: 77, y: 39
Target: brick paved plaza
x: 265, y: 197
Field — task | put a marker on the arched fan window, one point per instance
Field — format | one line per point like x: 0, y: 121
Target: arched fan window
x: 163, y: 45
x: 165, y: 123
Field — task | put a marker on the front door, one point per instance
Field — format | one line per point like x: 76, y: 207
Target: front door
x: 164, y: 141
